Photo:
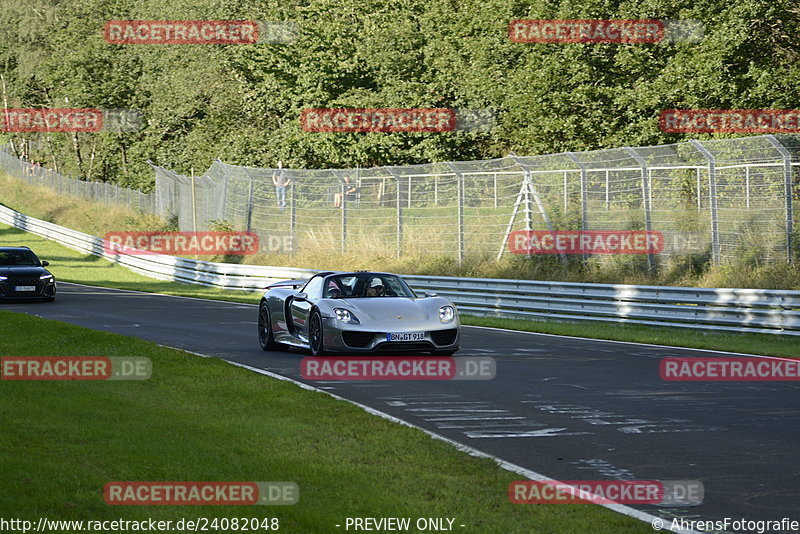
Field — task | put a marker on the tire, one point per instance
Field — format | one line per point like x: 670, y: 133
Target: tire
x: 315, y: 335
x: 265, y: 336
x: 48, y: 299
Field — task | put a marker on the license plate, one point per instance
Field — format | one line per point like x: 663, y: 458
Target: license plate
x: 407, y: 336
x: 25, y: 288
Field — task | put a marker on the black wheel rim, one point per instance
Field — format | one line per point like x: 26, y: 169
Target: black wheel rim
x: 263, y: 324
x: 315, y: 333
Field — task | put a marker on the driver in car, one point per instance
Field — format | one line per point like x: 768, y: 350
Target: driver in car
x: 376, y: 288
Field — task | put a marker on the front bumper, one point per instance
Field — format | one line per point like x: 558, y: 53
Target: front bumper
x: 342, y: 337
x: 43, y: 289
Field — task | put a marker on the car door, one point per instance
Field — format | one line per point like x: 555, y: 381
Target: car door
x: 300, y: 307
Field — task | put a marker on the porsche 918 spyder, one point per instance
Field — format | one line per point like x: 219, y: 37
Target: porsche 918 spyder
x: 356, y: 312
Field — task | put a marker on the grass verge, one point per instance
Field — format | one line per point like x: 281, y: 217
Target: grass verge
x: 203, y: 419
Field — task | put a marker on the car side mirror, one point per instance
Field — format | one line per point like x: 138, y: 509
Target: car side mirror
x: 301, y: 296
x: 429, y: 294
x: 45, y: 263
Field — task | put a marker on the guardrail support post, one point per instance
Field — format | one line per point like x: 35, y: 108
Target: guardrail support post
x: 712, y: 198
x: 787, y: 183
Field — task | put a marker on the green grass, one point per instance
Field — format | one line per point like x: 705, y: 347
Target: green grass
x: 203, y: 419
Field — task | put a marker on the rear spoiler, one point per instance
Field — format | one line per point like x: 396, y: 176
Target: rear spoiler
x: 294, y: 284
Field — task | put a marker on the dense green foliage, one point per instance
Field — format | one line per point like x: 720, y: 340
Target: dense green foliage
x: 241, y: 103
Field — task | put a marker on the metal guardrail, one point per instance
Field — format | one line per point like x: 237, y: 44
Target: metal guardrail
x: 741, y: 310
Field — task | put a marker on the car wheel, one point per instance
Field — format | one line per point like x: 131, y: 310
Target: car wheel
x: 315, y: 339
x: 48, y: 299
x: 265, y: 336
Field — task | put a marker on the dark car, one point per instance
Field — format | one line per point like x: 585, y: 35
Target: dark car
x: 23, y: 276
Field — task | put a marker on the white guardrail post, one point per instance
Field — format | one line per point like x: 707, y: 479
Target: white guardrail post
x: 740, y: 310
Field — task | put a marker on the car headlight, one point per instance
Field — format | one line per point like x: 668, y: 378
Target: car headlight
x: 446, y: 314
x: 3, y: 278
x: 346, y: 316
x: 46, y: 277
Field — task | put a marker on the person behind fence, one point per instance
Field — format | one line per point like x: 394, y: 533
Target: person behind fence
x: 350, y: 193
x: 281, y: 180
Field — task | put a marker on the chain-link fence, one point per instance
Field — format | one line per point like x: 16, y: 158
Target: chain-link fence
x: 719, y: 200
x: 103, y: 192
x: 722, y: 199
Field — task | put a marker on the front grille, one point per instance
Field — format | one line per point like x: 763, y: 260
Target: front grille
x: 444, y: 337
x: 357, y: 339
x: 10, y: 285
x: 23, y: 281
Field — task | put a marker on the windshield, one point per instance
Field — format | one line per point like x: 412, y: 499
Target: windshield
x: 18, y: 257
x: 366, y: 285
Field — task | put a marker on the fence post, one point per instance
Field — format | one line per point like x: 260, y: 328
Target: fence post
x: 409, y: 190
x: 712, y: 198
x: 495, y: 190
x: 194, y: 203
x: 608, y: 196
x: 293, y: 218
x: 249, y: 220
x: 699, y: 201
x: 647, y: 200
x: 787, y: 184
x: 566, y: 196
x: 460, y: 182
x: 584, y: 194
x: 223, y: 212
x: 399, y: 209
x: 747, y: 186
x: 344, y: 219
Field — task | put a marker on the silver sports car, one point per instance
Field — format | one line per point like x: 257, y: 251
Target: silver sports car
x: 356, y: 312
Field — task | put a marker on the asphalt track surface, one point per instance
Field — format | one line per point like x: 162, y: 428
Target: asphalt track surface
x: 571, y: 409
